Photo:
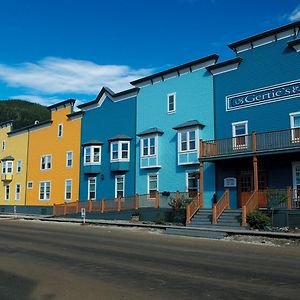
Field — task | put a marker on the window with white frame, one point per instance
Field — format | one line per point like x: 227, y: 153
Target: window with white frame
x: 239, y: 134
x: 92, y: 188
x: 7, y: 191
x: 295, y: 126
x: 171, y: 103
x: 46, y: 162
x: 60, y: 130
x: 92, y: 155
x: 149, y: 146
x: 3, y: 145
x: 19, y: 166
x: 187, y: 140
x: 18, y: 191
x: 45, y: 190
x: 68, y: 189
x: 7, y: 167
x: 120, y: 186
x: 69, y: 159
x: 119, y: 151
x: 152, y: 185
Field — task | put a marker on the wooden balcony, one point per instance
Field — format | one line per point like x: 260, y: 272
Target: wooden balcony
x: 248, y: 145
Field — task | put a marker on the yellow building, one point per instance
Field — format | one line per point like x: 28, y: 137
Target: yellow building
x: 54, y: 160
x: 13, y: 156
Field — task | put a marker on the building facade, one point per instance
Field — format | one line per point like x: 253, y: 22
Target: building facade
x: 54, y: 157
x: 108, y: 146
x: 174, y: 111
x: 257, y: 116
x: 13, y: 156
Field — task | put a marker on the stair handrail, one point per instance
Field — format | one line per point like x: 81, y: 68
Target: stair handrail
x: 220, y: 206
x: 193, y: 207
x: 249, y: 206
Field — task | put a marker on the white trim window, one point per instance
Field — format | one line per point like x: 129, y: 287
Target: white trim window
x: 19, y: 166
x: 120, y: 151
x: 18, y: 191
x: 7, y: 167
x: 92, y: 155
x: 295, y: 126
x: 46, y: 162
x: 92, y: 188
x: 69, y: 159
x: 152, y: 185
x: 7, y: 192
x: 68, y: 189
x: 45, y: 190
x: 171, y: 103
x: 240, y: 135
x: 60, y: 130
x: 149, y: 146
x: 120, y: 186
x: 187, y: 140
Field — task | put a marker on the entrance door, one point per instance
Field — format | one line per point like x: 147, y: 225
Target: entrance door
x: 192, y: 183
x: 246, y: 187
x: 296, y: 184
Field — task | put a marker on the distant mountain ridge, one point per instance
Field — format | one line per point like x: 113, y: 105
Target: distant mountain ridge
x: 23, y: 113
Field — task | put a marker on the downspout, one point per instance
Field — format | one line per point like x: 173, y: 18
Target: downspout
x: 27, y: 156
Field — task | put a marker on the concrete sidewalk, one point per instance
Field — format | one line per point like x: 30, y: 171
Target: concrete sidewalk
x: 192, y: 231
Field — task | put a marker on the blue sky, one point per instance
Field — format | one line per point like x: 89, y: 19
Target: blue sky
x: 52, y: 50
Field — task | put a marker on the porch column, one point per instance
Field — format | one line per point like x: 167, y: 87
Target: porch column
x: 201, y: 181
x: 255, y: 174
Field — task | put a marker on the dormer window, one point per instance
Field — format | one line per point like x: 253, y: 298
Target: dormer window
x: 119, y: 151
x: 7, y: 167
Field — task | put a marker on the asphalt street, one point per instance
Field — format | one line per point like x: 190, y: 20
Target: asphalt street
x: 41, y: 260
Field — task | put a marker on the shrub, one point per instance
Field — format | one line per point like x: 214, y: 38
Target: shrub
x: 276, y: 198
x: 258, y: 220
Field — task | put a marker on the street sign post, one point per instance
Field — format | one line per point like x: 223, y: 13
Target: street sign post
x: 83, y: 215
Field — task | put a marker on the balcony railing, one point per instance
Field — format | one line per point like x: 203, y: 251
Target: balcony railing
x: 288, y: 139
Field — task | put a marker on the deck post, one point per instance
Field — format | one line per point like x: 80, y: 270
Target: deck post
x: 214, y: 214
x: 119, y: 203
x: 102, y: 205
x: 289, y: 198
x: 188, y: 214
x: 90, y: 206
x: 255, y: 174
x: 157, y: 199
x: 201, y: 183
x: 254, y: 141
x: 244, y: 216
x: 136, y: 201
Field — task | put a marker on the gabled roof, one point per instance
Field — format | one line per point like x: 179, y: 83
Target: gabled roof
x: 265, y: 34
x: 92, y: 142
x: 225, y: 66
x: 191, y: 123
x: 177, y: 69
x: 7, y: 158
x: 120, y: 137
x: 31, y: 126
x: 62, y: 103
x: 109, y: 93
x: 153, y: 130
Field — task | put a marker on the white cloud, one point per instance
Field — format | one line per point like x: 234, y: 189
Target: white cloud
x: 53, y: 75
x: 294, y: 15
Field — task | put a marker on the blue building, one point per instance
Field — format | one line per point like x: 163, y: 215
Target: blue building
x: 174, y: 110
x: 257, y: 117
x: 108, y: 145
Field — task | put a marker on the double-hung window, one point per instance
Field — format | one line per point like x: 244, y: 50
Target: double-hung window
x: 69, y: 159
x: 46, y: 162
x: 92, y: 155
x: 68, y: 189
x: 295, y: 126
x: 7, y: 167
x: 119, y: 151
x: 240, y: 135
x: 172, y: 103
x: 187, y: 140
x: 120, y: 186
x: 149, y: 147
x: 92, y: 188
x: 19, y: 166
x: 152, y: 185
x: 7, y: 191
x: 60, y: 130
x: 45, y: 190
x: 18, y: 191
x: 3, y: 145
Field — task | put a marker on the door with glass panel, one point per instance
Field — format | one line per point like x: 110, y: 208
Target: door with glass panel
x: 296, y: 185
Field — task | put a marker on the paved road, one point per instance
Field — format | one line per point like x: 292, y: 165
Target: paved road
x: 57, y: 261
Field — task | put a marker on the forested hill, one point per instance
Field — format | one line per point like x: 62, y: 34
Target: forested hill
x: 23, y: 113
